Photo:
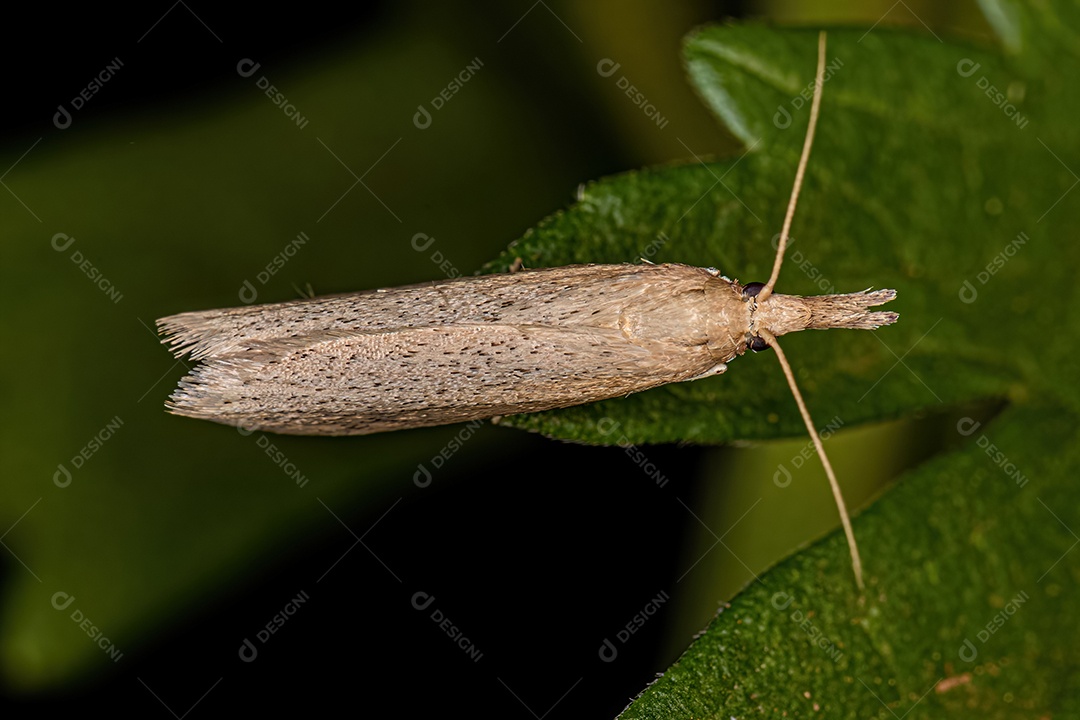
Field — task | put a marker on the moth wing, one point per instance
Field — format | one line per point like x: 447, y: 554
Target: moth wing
x: 590, y: 294
x: 352, y: 383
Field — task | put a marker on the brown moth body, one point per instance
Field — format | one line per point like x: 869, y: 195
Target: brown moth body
x: 474, y: 348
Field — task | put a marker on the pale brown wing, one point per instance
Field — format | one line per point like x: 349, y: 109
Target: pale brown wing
x: 595, y: 295
x: 348, y: 383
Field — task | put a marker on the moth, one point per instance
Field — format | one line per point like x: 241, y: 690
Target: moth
x: 478, y: 347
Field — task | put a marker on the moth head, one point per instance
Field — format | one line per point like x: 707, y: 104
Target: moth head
x: 750, y: 292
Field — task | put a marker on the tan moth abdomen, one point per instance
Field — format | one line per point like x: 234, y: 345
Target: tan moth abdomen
x: 458, y: 350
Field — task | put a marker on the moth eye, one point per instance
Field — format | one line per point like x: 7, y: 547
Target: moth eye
x: 751, y: 290
x: 757, y: 344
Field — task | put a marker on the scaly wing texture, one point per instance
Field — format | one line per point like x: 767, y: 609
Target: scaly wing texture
x: 445, y: 352
x: 356, y: 383
x: 579, y: 294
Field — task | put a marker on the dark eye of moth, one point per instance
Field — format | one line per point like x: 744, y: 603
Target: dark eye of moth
x: 756, y: 344
x: 751, y: 290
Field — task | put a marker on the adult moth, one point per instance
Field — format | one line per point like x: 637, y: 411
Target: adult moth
x: 478, y: 347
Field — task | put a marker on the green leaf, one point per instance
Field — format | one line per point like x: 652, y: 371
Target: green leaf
x: 967, y: 610
x: 917, y: 181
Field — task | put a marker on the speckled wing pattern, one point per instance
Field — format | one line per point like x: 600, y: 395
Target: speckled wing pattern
x: 455, y: 350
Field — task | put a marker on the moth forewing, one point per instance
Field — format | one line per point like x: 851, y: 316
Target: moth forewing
x: 457, y: 350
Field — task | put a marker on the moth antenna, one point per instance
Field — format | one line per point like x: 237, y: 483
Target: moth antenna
x: 815, y: 105
x: 766, y: 291
x: 856, y: 561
